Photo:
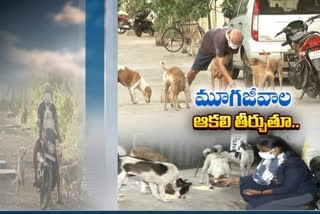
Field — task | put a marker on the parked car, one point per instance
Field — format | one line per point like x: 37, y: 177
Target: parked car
x: 259, y: 21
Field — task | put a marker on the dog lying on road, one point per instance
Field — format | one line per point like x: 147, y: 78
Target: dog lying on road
x: 19, y: 180
x: 133, y: 80
x: 175, y: 80
x: 157, y: 174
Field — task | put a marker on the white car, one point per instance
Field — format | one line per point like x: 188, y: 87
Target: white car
x: 259, y: 21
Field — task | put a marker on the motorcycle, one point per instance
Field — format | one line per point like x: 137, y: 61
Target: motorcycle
x: 48, y: 167
x: 124, y: 22
x: 143, y: 24
x: 304, y: 64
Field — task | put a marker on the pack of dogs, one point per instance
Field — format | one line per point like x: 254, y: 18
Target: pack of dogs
x: 174, y: 80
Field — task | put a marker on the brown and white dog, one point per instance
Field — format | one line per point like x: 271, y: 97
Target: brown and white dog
x: 19, y: 180
x: 264, y: 71
x: 133, y: 80
x: 175, y: 79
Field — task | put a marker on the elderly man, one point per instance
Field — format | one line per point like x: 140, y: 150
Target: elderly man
x: 217, y: 42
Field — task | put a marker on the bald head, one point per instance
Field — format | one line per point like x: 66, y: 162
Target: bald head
x: 236, y: 37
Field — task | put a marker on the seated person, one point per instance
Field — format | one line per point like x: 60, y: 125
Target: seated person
x: 282, y: 181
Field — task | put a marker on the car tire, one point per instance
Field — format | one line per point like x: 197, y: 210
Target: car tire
x: 235, y: 73
x: 247, y: 73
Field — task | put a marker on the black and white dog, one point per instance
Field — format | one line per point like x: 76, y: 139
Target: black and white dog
x: 244, y: 158
x: 156, y: 174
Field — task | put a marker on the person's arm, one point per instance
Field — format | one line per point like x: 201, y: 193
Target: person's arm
x: 221, y: 52
x: 293, y: 176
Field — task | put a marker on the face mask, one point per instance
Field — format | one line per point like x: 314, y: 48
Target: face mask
x: 267, y: 155
x: 47, y: 98
x: 231, y: 45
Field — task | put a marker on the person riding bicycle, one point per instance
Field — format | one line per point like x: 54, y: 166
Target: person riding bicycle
x: 46, y: 119
x: 217, y: 42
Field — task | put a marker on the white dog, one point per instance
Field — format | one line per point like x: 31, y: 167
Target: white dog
x: 157, y: 174
x: 215, y: 166
x: 244, y: 158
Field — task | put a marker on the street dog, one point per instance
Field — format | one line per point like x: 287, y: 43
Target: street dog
x: 157, y: 174
x: 215, y: 148
x: 146, y: 153
x: 175, y: 80
x: 19, y: 180
x: 133, y: 80
x: 71, y: 177
x: 244, y: 158
x: 263, y: 71
x: 215, y: 167
x: 214, y: 71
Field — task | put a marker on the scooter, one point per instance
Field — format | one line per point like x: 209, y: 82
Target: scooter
x: 304, y: 68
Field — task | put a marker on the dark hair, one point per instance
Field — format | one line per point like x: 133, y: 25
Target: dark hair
x: 273, y: 142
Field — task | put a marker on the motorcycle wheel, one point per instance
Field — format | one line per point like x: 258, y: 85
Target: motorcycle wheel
x: 312, y: 91
x: 151, y: 32
x: 45, y: 191
x: 138, y: 32
x: 121, y: 31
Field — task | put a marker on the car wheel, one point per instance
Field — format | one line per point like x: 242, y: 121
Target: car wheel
x: 247, y: 73
x: 235, y: 73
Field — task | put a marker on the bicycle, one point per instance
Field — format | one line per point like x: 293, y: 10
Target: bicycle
x: 174, y: 37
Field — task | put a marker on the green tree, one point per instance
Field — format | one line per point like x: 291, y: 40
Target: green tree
x: 228, y: 4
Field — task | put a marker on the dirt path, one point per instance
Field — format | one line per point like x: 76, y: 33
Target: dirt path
x: 10, y: 141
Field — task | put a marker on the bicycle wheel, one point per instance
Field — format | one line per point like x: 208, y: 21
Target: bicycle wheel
x: 201, y: 32
x: 172, y: 39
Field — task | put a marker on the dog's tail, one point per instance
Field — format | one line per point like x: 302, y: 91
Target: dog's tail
x: 267, y: 59
x: 163, y: 67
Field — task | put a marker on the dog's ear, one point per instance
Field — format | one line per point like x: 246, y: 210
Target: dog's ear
x: 179, y: 182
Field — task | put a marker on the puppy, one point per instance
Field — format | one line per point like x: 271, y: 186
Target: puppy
x: 214, y: 71
x: 133, y: 80
x: 176, y: 81
x: 71, y: 177
x: 274, y: 67
x: 215, y: 167
x: 244, y: 158
x: 157, y: 174
x: 19, y: 180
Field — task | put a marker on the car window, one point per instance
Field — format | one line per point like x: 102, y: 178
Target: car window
x: 236, y: 9
x: 243, y: 9
x: 269, y: 7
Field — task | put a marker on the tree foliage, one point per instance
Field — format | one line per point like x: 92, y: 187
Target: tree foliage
x: 228, y: 4
x: 168, y: 10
